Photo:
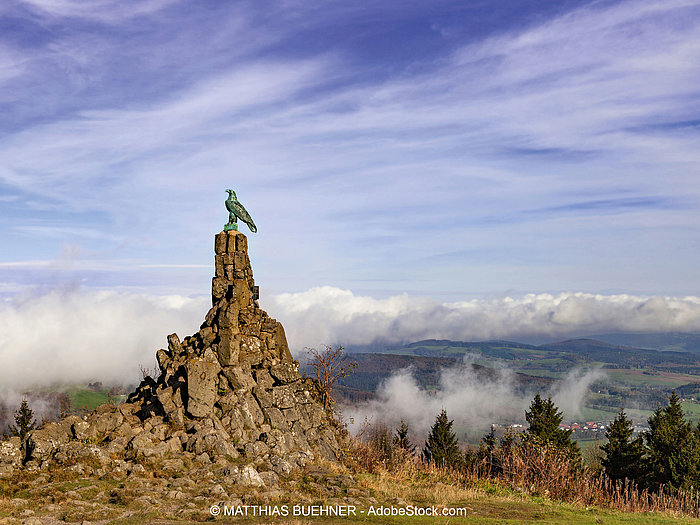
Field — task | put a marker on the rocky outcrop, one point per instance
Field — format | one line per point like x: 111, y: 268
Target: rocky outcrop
x: 230, y: 392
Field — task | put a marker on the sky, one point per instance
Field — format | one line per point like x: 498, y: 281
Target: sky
x: 506, y: 167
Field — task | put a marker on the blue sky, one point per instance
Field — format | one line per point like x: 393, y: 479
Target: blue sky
x: 443, y: 148
x: 448, y: 150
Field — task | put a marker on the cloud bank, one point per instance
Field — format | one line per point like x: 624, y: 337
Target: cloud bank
x: 80, y: 335
x: 327, y: 315
x: 473, y: 401
x: 76, y: 336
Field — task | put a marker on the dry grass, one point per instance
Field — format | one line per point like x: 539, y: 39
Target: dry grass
x: 524, y: 470
x: 425, y: 492
x: 547, y: 471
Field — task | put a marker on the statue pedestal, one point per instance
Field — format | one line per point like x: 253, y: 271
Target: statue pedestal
x: 231, y: 227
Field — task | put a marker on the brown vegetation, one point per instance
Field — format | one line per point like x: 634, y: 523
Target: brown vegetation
x: 329, y: 365
x: 525, y: 468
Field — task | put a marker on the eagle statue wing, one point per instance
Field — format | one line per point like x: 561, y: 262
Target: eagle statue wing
x: 239, y: 211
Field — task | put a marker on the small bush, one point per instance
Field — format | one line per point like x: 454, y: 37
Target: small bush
x: 122, y: 495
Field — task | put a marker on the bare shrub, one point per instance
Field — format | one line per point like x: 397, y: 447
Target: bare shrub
x: 373, y: 449
x: 329, y: 365
x: 527, y: 467
x: 361, y: 455
x: 153, y: 372
x: 542, y: 469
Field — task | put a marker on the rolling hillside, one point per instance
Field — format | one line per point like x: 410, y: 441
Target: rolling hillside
x: 637, y: 379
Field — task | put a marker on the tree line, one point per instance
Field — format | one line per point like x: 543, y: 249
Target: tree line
x: 543, y: 417
x: 666, y: 455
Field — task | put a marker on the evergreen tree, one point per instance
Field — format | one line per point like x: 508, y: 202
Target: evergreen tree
x: 488, y: 442
x: 674, y: 451
x: 507, y: 443
x: 487, y: 450
x: 24, y: 419
x: 441, y: 446
x: 544, y: 419
x: 401, y: 438
x: 380, y: 439
x: 624, y: 456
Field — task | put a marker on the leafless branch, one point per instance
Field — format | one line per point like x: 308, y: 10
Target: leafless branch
x: 329, y: 365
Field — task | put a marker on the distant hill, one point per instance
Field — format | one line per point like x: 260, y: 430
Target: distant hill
x: 635, y: 377
x: 555, y: 357
x: 372, y: 369
x: 672, y: 341
x: 624, y: 355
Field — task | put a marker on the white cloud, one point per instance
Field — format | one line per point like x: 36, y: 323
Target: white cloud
x: 11, y: 66
x: 76, y: 336
x: 106, y: 11
x: 570, y: 392
x: 328, y: 315
x: 95, y: 141
x: 473, y: 400
x: 79, y: 335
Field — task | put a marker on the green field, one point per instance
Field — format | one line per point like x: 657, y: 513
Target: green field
x: 593, y: 414
x: 537, y: 372
x: 645, y: 377
x: 82, y: 398
x: 692, y: 410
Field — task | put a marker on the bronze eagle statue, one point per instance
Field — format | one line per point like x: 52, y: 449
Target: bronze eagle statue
x: 237, y: 211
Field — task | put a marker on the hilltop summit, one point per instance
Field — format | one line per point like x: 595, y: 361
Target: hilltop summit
x: 230, y: 392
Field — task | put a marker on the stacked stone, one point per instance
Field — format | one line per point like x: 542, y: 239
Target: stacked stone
x: 230, y: 390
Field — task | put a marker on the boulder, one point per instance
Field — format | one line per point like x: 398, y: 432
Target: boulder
x: 202, y: 383
x: 230, y: 389
x: 41, y: 444
x: 285, y: 372
x: 250, y: 477
x: 10, y: 452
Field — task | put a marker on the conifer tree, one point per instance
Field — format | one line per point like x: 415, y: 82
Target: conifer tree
x: 673, y: 445
x: 441, y: 447
x: 624, y: 456
x: 380, y: 439
x: 488, y: 442
x: 487, y: 450
x: 544, y: 419
x: 401, y: 438
x: 24, y: 419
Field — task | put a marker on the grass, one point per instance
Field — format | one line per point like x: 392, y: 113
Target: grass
x: 494, y: 515
x: 480, y: 506
x: 537, y: 372
x: 638, y: 377
x: 691, y: 409
x: 590, y: 443
x: 82, y: 397
x: 484, y: 503
x: 531, y: 484
x: 594, y: 414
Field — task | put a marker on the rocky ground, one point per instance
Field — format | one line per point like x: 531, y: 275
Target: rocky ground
x: 229, y: 419
x: 180, y: 487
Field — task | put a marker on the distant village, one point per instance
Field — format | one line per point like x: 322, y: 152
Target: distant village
x: 588, y: 426
x: 581, y: 430
x: 575, y: 428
